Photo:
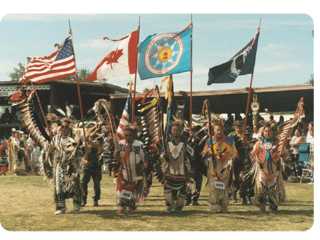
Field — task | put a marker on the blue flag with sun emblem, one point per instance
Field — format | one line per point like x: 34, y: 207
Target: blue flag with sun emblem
x: 165, y: 53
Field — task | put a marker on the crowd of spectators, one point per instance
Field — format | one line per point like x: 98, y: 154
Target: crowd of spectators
x: 19, y: 154
x: 8, y: 116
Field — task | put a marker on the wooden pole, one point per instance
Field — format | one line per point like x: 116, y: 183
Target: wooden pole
x: 191, y: 76
x: 133, y: 108
x: 78, y: 89
x: 250, y: 91
x: 208, y: 111
x: 79, y: 97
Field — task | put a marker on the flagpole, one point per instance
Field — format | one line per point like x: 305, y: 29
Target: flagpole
x: 191, y: 76
x: 248, y: 104
x: 133, y: 107
x: 250, y: 91
x: 78, y: 87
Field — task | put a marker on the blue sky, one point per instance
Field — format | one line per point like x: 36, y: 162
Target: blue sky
x: 284, y: 57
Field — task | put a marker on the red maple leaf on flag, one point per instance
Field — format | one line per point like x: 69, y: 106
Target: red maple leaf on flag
x: 113, y: 56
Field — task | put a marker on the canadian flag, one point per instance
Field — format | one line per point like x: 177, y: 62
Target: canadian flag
x: 120, y: 61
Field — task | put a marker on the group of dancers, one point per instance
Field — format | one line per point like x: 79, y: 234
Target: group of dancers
x: 73, y: 153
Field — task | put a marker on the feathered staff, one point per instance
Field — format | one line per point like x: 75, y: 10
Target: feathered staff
x: 169, y: 95
x: 287, y: 127
x: 206, y: 111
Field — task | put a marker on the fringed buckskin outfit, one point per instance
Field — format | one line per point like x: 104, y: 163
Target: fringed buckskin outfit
x: 177, y: 170
x: 219, y: 171
x: 267, y: 164
x: 130, y: 174
x: 66, y: 167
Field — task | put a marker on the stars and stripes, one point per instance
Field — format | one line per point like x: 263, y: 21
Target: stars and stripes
x: 125, y: 118
x: 57, y: 65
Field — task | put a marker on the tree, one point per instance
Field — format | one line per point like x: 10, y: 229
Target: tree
x: 17, y: 72
x: 311, y: 80
x: 83, y: 74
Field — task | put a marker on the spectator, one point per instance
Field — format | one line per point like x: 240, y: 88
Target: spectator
x: 3, y: 157
x: 228, y: 123
x: 33, y: 152
x: 255, y: 134
x: 15, y: 115
x: 294, y: 144
x: 271, y: 120
x: 238, y: 117
x: 6, y: 116
x: 309, y: 139
x: 23, y: 151
x: 35, y: 159
x: 12, y: 150
x: 281, y: 121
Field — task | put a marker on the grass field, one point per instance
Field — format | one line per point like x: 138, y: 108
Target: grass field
x: 27, y: 204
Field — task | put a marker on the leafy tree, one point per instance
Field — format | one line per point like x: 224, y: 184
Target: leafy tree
x: 17, y: 72
x: 310, y: 81
x: 83, y: 74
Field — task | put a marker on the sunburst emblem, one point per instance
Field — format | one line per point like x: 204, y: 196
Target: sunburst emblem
x: 163, y: 53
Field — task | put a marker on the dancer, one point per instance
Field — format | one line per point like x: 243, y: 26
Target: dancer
x: 176, y: 168
x: 66, y: 168
x: 220, y: 153
x: 129, y: 155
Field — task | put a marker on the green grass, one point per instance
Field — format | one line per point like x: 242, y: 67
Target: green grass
x: 27, y: 204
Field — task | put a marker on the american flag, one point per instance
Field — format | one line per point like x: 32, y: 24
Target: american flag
x: 125, y: 118
x: 57, y: 65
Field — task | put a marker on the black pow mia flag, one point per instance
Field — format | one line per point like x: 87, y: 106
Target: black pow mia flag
x: 240, y: 64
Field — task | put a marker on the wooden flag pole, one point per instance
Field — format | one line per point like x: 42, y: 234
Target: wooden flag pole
x: 133, y: 102
x: 208, y: 112
x: 78, y: 89
x: 250, y: 91
x: 191, y: 76
x: 79, y: 97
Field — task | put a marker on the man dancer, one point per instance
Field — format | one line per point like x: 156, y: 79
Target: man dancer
x: 176, y: 168
x: 198, y: 169
x: 92, y: 169
x: 220, y: 158
x: 267, y: 163
x: 66, y: 167
x: 239, y: 165
x: 130, y: 157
